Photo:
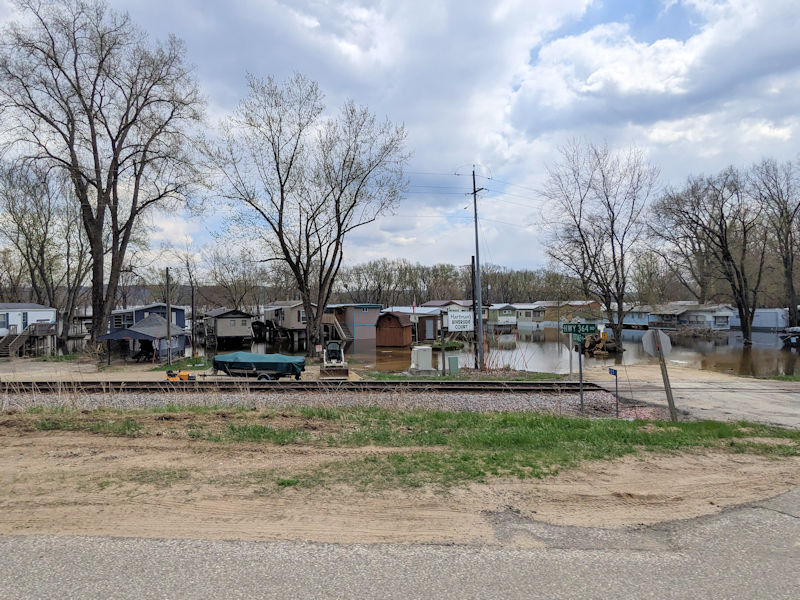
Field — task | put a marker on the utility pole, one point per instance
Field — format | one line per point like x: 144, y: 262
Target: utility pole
x: 194, y: 329
x: 478, y: 299
x: 169, y: 323
x: 474, y: 311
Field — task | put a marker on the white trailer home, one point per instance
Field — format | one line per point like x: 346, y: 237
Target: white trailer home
x: 26, y: 328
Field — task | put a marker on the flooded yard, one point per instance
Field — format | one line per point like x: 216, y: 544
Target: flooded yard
x: 548, y: 350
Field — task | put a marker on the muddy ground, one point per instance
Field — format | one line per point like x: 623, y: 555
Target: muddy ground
x: 56, y: 482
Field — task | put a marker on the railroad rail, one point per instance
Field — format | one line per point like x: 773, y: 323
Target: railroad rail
x: 254, y: 386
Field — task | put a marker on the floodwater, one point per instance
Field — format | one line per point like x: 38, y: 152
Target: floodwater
x: 547, y: 350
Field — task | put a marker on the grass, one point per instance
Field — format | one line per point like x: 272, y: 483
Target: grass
x: 467, y: 375
x: 127, y: 426
x: 185, y: 364
x: 59, y: 358
x: 782, y: 377
x: 428, y: 447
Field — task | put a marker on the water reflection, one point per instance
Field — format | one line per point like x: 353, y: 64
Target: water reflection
x: 533, y: 349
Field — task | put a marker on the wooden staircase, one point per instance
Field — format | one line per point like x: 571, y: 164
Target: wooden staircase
x: 4, y: 342
x: 344, y: 331
x: 11, y: 343
x: 17, y: 342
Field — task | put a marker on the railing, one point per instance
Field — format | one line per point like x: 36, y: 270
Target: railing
x: 20, y: 339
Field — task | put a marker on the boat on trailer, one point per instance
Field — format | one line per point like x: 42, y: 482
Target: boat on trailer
x: 260, y: 366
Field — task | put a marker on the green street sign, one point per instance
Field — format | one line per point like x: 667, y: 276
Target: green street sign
x: 581, y: 328
x: 578, y: 338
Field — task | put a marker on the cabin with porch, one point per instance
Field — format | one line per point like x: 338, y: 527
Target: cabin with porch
x: 528, y: 313
x: 353, y: 322
x: 227, y: 328
x: 502, y: 314
x: 27, y: 329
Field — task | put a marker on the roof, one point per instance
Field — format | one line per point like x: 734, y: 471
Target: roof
x: 526, y: 306
x: 675, y: 308
x: 146, y: 306
x: 500, y: 305
x: 152, y: 327
x: 404, y: 318
x: 219, y: 312
x: 423, y: 311
x: 355, y: 305
x: 23, y: 306
x: 283, y: 304
x: 465, y: 303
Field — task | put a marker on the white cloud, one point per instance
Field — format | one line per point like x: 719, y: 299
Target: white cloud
x: 502, y: 85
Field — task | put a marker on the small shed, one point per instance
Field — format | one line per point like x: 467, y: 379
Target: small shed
x: 393, y: 329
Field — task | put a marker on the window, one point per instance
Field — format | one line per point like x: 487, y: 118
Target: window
x: 301, y: 316
x: 233, y: 322
x: 506, y: 311
x: 244, y: 322
x: 3, y: 320
x: 527, y: 313
x: 365, y: 310
x: 720, y: 321
x: 123, y: 320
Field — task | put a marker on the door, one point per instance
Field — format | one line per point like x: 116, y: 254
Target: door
x: 429, y: 329
x: 24, y: 320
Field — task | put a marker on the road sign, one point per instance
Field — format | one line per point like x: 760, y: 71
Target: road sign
x: 656, y: 343
x: 582, y: 328
x: 616, y: 387
x: 578, y: 338
x: 649, y: 342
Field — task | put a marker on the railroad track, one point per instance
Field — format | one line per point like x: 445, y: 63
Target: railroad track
x: 254, y: 386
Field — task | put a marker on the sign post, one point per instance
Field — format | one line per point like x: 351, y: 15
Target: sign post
x: 580, y: 377
x: 657, y: 344
x: 578, y: 333
x: 571, y: 346
x: 616, y: 387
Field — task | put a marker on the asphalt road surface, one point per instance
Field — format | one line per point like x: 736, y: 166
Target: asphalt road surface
x: 751, y: 551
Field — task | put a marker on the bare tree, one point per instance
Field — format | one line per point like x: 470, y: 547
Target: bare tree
x: 598, y: 197
x: 777, y: 188
x: 653, y: 279
x: 84, y: 90
x: 12, y: 276
x: 303, y: 181
x: 236, y: 275
x: 732, y: 222
x: 43, y: 223
x: 684, y: 245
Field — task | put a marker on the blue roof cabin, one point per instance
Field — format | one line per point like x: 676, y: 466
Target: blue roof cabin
x: 144, y: 348
x: 125, y: 317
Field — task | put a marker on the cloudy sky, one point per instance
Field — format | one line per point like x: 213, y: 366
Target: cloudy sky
x: 698, y: 84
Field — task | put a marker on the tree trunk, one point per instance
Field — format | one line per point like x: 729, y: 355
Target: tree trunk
x: 99, y: 325
x: 791, y: 294
x: 746, y: 320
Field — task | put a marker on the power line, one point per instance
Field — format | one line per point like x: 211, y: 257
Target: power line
x: 530, y: 189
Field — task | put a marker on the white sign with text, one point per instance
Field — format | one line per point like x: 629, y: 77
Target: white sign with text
x: 460, y: 321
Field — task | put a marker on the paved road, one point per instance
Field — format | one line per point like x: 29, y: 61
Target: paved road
x: 733, y: 399
x: 746, y: 552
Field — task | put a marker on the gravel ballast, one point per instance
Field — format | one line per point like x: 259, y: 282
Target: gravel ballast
x: 596, y: 403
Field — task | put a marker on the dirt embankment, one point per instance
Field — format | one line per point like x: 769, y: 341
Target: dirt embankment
x: 81, y: 483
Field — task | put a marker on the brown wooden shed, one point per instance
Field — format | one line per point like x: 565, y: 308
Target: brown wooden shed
x: 393, y: 330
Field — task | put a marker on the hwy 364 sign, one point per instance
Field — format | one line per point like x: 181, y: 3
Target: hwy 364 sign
x: 582, y: 328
